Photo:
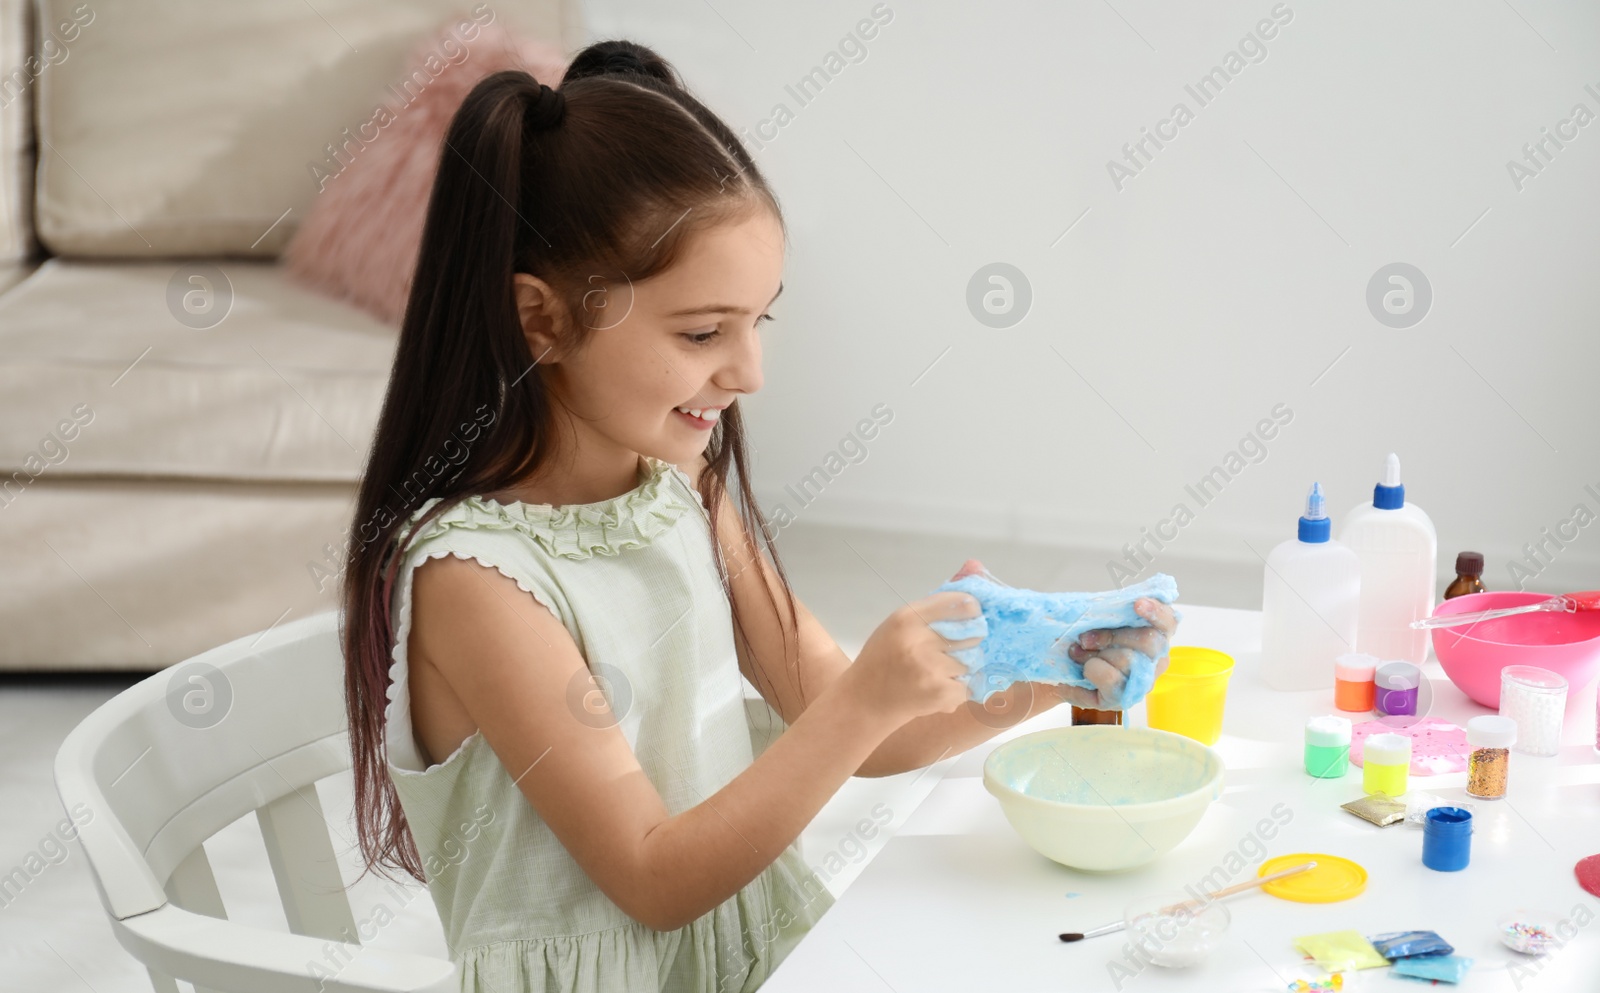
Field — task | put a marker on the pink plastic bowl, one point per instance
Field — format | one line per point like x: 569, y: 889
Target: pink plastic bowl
x: 1473, y: 655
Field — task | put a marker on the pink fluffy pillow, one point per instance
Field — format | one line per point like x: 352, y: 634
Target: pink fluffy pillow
x: 359, y: 241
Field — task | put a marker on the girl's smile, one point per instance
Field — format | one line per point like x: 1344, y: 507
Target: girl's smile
x: 700, y: 420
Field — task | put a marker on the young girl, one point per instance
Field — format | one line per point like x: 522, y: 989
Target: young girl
x: 554, y: 598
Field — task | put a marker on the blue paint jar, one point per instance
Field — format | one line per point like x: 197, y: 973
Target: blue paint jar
x: 1447, y: 839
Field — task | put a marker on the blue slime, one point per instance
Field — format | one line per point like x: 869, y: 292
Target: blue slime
x: 1026, y: 634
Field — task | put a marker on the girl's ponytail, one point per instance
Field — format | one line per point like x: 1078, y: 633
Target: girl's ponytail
x: 442, y: 396
x: 546, y: 108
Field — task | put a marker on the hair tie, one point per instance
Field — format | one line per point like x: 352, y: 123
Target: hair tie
x: 546, y: 108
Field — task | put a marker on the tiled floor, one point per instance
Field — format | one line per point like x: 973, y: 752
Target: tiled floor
x: 54, y: 936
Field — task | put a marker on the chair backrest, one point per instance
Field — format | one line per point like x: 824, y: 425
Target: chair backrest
x: 249, y: 726
x: 167, y: 763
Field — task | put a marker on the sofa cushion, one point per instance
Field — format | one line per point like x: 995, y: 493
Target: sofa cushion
x: 14, y: 272
x: 100, y: 376
x: 140, y: 574
x: 194, y: 127
x: 20, y: 67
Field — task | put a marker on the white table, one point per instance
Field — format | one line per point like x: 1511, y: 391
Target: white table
x: 957, y: 901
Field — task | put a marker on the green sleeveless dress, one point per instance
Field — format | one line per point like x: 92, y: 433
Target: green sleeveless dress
x: 633, y: 579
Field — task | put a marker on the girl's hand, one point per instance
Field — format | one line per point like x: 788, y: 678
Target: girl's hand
x: 905, y: 670
x: 1107, y: 653
x: 968, y: 568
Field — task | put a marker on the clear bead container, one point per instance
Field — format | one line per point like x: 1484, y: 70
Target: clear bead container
x: 1537, y: 700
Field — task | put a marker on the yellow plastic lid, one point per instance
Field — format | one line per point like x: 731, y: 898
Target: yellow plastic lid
x: 1333, y: 879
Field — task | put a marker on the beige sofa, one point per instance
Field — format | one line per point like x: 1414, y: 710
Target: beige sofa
x: 182, y: 429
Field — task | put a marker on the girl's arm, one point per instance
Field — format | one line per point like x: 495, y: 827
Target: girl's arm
x: 767, y: 662
x: 512, y: 664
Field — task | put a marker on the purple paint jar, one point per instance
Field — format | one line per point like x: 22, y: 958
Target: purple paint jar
x: 1396, y: 684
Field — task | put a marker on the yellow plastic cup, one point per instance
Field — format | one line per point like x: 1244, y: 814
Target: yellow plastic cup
x: 1188, y: 697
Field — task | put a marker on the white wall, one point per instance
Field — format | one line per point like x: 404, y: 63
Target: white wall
x: 1228, y: 276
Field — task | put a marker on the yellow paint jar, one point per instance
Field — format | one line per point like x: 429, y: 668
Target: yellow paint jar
x: 1385, y: 761
x: 1188, y: 698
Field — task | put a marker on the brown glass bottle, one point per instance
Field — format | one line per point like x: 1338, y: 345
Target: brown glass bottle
x: 1469, y: 575
x: 1084, y: 715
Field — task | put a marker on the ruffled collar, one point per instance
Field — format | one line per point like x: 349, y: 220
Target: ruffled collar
x: 580, y: 530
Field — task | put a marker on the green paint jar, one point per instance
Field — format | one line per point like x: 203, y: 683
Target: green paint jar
x: 1327, y: 747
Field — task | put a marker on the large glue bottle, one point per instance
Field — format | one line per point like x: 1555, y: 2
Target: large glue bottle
x: 1309, y: 599
x: 1399, y: 549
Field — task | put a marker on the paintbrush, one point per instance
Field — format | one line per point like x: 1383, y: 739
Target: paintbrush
x: 1219, y: 894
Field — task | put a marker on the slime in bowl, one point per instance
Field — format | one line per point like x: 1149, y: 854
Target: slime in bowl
x: 1103, y: 798
x: 1473, y: 655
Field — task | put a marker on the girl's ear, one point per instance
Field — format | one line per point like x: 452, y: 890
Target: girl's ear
x: 543, y: 317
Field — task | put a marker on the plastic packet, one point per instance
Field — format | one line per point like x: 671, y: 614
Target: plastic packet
x: 1418, y: 804
x: 1445, y: 968
x: 1377, y: 808
x: 1405, y: 944
x: 1338, y: 951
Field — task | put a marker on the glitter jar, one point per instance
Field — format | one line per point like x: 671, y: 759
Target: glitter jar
x: 1327, y: 747
x: 1353, y: 690
x: 1396, y: 688
x: 1385, y: 761
x: 1490, y: 738
x: 1536, y: 699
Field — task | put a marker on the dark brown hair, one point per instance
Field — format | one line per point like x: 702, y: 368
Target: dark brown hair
x: 610, y: 186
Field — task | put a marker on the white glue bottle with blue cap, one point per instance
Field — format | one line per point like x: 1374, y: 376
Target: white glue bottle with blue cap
x: 1309, y: 599
x: 1398, y: 548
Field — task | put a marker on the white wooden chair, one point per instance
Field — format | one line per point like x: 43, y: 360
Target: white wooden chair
x: 169, y: 762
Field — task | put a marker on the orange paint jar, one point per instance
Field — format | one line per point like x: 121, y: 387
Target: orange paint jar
x: 1353, y: 689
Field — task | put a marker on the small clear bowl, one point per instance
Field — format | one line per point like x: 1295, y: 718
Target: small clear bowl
x: 1531, y: 932
x: 1174, y: 929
